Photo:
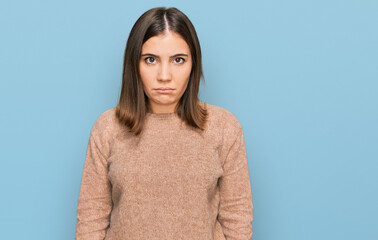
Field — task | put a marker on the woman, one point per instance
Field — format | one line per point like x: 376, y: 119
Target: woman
x: 162, y: 164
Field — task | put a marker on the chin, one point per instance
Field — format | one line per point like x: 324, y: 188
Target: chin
x: 165, y: 101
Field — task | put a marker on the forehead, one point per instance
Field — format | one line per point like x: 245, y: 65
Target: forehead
x: 167, y: 43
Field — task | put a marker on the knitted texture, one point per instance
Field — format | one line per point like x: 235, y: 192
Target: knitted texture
x: 173, y: 182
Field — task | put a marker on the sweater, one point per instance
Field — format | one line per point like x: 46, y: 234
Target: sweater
x: 172, y: 182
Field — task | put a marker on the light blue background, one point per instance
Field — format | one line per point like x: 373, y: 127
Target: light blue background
x: 301, y: 76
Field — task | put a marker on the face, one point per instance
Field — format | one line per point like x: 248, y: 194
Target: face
x: 165, y: 67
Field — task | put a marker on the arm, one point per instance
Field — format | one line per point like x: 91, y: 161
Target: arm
x: 95, y: 203
x: 235, y: 210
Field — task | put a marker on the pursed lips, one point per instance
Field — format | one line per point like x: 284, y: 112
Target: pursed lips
x: 164, y: 88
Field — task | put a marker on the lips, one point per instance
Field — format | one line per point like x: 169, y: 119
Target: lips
x: 164, y: 88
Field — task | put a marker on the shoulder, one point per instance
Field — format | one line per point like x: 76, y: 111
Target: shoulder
x: 222, y: 118
x: 105, y: 123
x: 224, y: 126
x: 102, y: 131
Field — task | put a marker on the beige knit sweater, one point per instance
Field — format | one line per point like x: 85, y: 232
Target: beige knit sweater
x: 173, y: 182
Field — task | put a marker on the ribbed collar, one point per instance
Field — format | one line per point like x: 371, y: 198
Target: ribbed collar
x: 161, y: 115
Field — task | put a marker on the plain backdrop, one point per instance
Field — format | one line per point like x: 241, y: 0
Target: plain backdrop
x: 300, y: 75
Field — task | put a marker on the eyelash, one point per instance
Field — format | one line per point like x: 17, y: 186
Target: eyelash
x: 182, y: 60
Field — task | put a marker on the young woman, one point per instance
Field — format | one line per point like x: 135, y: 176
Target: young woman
x: 162, y: 164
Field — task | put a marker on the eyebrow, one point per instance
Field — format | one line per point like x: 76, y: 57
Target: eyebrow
x: 153, y: 55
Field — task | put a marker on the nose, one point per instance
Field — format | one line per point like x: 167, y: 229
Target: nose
x: 164, y: 72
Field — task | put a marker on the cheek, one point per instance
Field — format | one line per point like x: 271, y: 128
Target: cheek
x: 185, y: 72
x: 146, y: 75
x: 184, y: 78
x: 180, y: 75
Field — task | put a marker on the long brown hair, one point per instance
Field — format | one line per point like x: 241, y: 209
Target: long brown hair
x: 133, y: 102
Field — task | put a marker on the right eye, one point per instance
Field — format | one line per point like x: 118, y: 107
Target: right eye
x: 150, y: 60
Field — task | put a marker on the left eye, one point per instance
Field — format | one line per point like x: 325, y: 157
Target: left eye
x: 179, y: 60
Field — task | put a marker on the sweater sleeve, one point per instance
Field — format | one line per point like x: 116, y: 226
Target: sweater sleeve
x: 235, y: 211
x: 94, y: 204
